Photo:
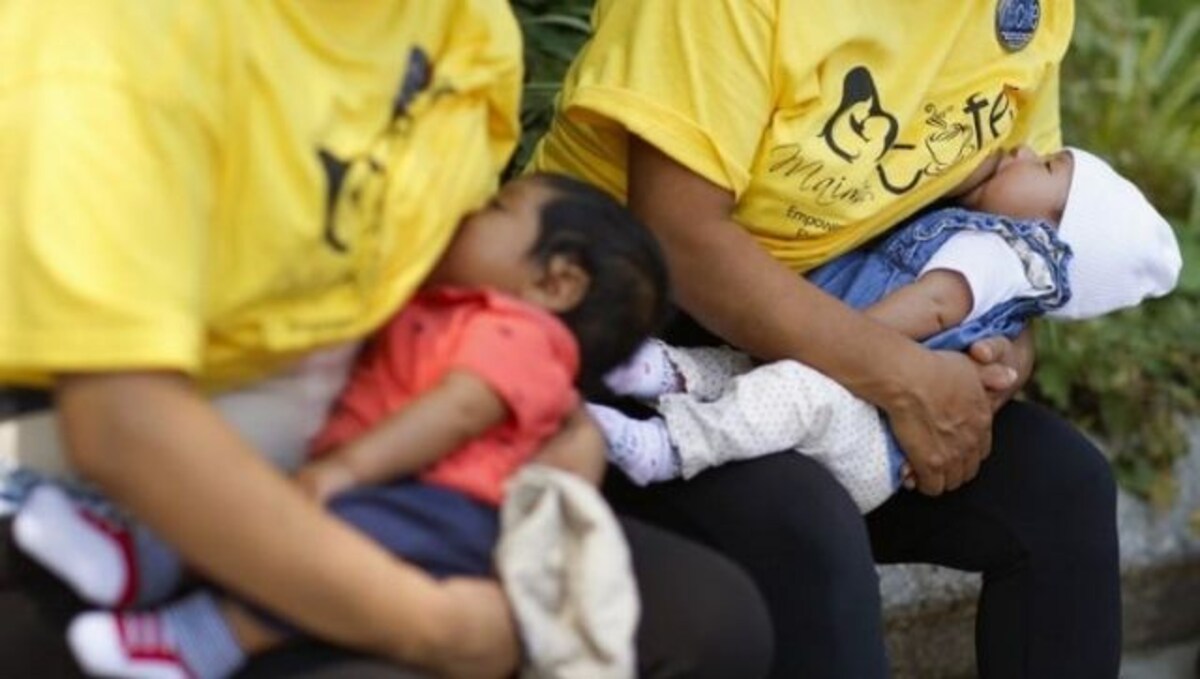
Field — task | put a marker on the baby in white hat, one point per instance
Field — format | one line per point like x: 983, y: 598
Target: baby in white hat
x: 1062, y: 235
x: 1123, y: 250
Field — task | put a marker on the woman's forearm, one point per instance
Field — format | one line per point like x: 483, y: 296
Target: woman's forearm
x: 156, y: 447
x: 725, y: 280
x: 772, y: 313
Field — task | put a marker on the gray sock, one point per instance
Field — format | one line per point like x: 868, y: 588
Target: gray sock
x: 203, y: 639
x: 159, y: 570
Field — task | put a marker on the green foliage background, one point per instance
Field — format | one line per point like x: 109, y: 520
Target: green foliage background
x: 1131, y: 92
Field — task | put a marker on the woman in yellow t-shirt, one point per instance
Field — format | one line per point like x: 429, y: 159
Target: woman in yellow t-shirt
x: 219, y: 199
x: 760, y: 138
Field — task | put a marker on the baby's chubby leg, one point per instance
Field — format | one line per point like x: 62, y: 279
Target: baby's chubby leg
x: 642, y: 448
x: 781, y: 406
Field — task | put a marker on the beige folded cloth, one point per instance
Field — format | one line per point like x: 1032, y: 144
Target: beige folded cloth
x: 566, y: 569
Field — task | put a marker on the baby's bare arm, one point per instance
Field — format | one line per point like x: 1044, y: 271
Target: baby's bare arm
x: 938, y: 300
x: 578, y: 447
x: 436, y: 423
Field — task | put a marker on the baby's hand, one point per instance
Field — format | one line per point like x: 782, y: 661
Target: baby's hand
x: 322, y: 480
x: 908, y: 477
x: 578, y: 447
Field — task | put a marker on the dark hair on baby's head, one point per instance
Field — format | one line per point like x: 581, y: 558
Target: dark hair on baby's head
x: 627, y: 298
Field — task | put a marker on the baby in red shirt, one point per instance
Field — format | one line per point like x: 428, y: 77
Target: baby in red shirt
x: 547, y: 287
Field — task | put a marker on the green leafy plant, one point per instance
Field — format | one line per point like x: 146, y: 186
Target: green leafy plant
x: 554, y: 30
x: 1131, y: 92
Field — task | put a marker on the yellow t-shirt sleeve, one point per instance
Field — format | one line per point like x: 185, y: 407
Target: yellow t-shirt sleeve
x: 107, y: 201
x: 692, y: 79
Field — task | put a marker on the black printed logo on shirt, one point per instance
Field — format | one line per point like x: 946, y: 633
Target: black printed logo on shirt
x: 354, y: 186
x: 860, y: 125
x: 861, y: 131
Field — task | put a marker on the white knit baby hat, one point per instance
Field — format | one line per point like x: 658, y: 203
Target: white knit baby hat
x: 1124, y: 251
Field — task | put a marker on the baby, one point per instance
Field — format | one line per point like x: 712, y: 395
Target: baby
x: 1066, y: 237
x: 552, y: 284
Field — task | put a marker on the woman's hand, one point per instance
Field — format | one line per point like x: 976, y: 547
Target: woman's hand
x: 323, y: 479
x: 1005, y: 365
x: 942, y: 420
x: 478, y: 636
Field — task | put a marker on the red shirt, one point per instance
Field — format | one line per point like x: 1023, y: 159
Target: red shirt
x: 524, y: 353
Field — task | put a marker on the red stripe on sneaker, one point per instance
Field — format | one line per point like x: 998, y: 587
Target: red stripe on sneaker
x: 121, y: 535
x: 143, y: 638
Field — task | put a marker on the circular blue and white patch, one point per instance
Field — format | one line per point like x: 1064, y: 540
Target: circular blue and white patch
x: 1016, y: 22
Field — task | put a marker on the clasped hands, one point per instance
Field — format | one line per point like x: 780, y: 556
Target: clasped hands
x: 942, y: 418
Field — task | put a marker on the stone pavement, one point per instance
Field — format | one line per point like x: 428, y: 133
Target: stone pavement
x: 1177, y: 661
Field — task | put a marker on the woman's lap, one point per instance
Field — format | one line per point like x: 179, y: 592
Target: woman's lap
x: 34, y: 610
x: 1039, y: 522
x: 817, y: 576
x: 701, y: 617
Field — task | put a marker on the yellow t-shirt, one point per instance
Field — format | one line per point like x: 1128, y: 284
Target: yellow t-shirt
x: 829, y: 121
x: 218, y: 186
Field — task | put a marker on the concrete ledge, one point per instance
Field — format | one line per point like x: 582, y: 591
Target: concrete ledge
x: 929, y: 615
x: 930, y: 611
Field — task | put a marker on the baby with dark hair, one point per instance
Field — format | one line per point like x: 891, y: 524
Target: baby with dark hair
x: 546, y: 288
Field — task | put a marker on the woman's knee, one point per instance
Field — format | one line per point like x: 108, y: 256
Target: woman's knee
x: 791, y: 507
x: 1058, y: 466
x: 1089, y: 477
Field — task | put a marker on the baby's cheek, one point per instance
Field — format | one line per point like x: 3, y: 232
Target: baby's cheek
x: 977, y: 177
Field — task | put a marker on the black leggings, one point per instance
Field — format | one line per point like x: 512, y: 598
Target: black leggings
x: 1039, y: 522
x: 701, y: 617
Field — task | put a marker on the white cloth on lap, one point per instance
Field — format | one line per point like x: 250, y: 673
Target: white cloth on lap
x: 566, y: 569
